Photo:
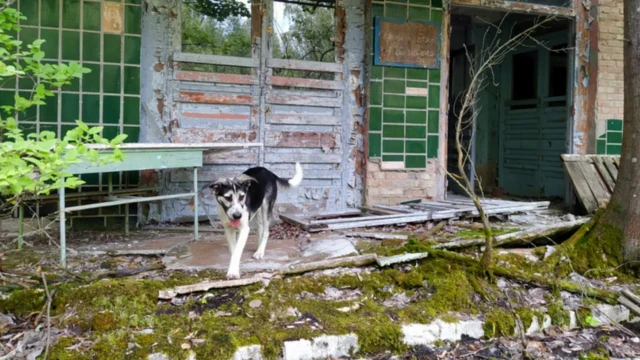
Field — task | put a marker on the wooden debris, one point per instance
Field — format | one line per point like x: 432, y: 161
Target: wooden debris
x: 378, y: 236
x: 131, y: 272
x: 470, y: 226
x: 631, y: 296
x: 205, y: 286
x: 593, y: 178
x: 349, y: 261
x: 436, y: 229
x: 633, y: 307
x: 519, y: 237
x: 396, y: 259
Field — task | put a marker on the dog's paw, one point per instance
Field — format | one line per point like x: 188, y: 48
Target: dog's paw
x: 232, y: 275
x: 258, y: 255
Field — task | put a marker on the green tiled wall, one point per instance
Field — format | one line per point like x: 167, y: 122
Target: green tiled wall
x: 404, y: 127
x: 109, y: 96
x: 610, y: 143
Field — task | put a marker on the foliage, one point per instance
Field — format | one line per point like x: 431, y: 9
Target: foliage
x: 219, y: 9
x: 34, y: 164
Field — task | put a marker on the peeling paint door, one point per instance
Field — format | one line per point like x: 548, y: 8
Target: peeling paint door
x: 534, y: 119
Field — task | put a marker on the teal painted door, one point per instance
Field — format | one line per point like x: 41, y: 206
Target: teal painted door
x: 534, y: 119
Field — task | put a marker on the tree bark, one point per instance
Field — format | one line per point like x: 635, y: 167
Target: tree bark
x: 622, y: 214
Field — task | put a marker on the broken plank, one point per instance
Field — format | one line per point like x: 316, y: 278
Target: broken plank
x: 397, y: 259
x: 393, y: 209
x: 304, y: 100
x: 294, y: 220
x: 372, y: 222
x: 304, y: 65
x: 581, y: 187
x: 349, y: 261
x: 374, y: 210
x: 604, y: 174
x: 591, y: 177
x: 377, y: 236
x: 205, y: 286
x: 332, y: 214
x: 629, y: 305
x: 631, y: 296
x: 302, y: 119
x: 611, y: 167
x: 366, y: 218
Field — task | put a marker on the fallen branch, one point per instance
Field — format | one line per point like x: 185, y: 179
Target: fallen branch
x: 49, y: 300
x: 436, y: 229
x: 519, y: 237
x: 377, y: 236
x: 205, y: 286
x: 359, y: 260
x: 130, y: 272
x: 396, y: 259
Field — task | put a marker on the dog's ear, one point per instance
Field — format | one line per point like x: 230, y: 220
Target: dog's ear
x: 245, y: 180
x: 215, y: 186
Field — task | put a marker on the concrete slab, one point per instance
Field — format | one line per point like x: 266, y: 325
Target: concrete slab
x: 214, y: 254
x: 155, y: 246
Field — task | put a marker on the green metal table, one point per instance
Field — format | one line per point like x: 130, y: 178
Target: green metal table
x: 138, y: 157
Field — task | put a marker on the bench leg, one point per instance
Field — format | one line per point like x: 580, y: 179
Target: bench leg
x: 126, y: 219
x: 195, y: 203
x: 20, y: 225
x: 63, y: 235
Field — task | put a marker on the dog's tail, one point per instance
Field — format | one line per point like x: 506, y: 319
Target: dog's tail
x: 294, y: 181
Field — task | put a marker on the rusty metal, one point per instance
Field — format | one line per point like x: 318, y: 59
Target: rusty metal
x: 583, y: 139
x: 341, y: 26
x: 209, y: 98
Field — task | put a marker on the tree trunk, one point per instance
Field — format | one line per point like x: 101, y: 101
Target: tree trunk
x: 621, y: 218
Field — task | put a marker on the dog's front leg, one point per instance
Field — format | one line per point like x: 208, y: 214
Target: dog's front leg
x: 232, y: 236
x: 234, y: 265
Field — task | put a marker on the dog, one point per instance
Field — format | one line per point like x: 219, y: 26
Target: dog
x: 243, y: 198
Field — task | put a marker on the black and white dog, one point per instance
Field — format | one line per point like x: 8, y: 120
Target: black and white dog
x: 242, y: 198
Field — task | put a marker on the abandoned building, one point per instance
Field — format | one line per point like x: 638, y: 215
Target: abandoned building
x: 371, y: 120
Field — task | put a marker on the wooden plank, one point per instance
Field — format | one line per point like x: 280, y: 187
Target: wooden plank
x: 591, y: 177
x: 294, y: 220
x: 304, y: 83
x: 611, y: 167
x: 368, y: 218
x: 374, y: 210
x: 299, y: 119
x: 304, y: 65
x: 616, y: 160
x: 208, y: 77
x: 215, y: 59
x: 302, y: 139
x: 214, y: 98
x: 304, y: 100
x: 581, y: 187
x: 302, y: 158
x: 604, y: 174
x: 394, y: 209
x: 332, y: 214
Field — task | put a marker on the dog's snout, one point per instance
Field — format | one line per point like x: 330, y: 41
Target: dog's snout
x: 236, y: 216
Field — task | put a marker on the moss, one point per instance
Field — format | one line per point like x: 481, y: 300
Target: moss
x: 593, y: 356
x: 526, y: 315
x: 23, y: 302
x: 479, y: 233
x: 103, y: 322
x: 498, y: 323
x: 540, y: 252
x: 559, y: 315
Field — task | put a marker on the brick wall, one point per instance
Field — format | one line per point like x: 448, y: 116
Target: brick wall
x: 385, y: 187
x: 610, y: 96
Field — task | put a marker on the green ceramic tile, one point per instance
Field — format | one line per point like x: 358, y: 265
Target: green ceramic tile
x: 71, y: 14
x: 417, y: 74
x: 436, y: 3
x: 392, y: 116
x: 393, y: 72
x: 26, y: 83
x: 91, y: 81
x: 415, y: 162
x: 50, y: 13
x: 50, y: 46
x: 90, y: 46
x: 132, y: 50
x: 392, y: 146
x: 111, y: 109
x: 614, y: 149
x: 420, y: 2
x: 111, y: 79
x: 416, y: 146
x: 111, y: 48
x: 434, y: 121
x: 432, y: 146
x: 91, y: 16
x: 393, y: 131
x: 49, y: 127
x: 416, y: 117
x: 6, y: 99
x: 109, y: 132
x: 132, y: 80
x: 133, y: 134
x: 49, y: 111
x: 614, y: 137
x: 377, y: 10
x: 131, y: 110
x: 416, y: 102
x: 28, y: 36
x: 416, y: 132
x: 393, y: 101
x: 132, y: 20
x: 91, y: 109
x: 31, y: 114
x: 418, y: 13
x: 434, y: 76
x: 70, y: 108
x: 64, y: 129
x: 375, y: 119
x: 601, y: 147
x: 392, y: 157
x: 376, y: 72
x: 436, y: 16
x: 614, y: 124
x: 434, y: 97
x: 375, y: 145
x: 394, y: 86
x: 395, y: 11
x: 375, y: 98
x: 30, y: 10
x: 70, y: 45
x: 134, y: 2
x: 418, y: 84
